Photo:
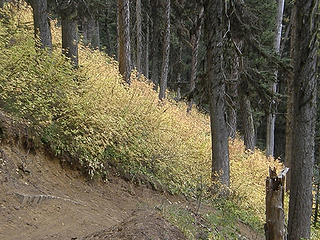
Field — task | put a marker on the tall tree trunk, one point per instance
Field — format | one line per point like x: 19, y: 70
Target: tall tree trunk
x: 93, y: 32
x: 316, y: 208
x: 289, y: 115
x: 84, y: 30
x: 41, y: 23
x: 271, y: 115
x: 146, y: 71
x: 304, y: 118
x: 124, y: 39
x: 216, y: 87
x: 232, y: 96
x: 139, y: 35
x: 70, y: 39
x: 165, y: 54
x: 195, y: 38
x: 155, y: 43
x: 106, y: 27
x: 246, y: 116
x: 178, y: 97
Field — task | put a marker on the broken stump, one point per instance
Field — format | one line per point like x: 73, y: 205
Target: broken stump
x: 275, y: 217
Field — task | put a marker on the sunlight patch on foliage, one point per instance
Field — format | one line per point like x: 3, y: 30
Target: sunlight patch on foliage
x: 248, y: 176
x: 89, y: 116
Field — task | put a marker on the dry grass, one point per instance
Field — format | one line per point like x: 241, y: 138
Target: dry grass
x: 98, y: 121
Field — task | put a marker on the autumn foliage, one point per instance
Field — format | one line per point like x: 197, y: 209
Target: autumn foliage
x: 90, y: 117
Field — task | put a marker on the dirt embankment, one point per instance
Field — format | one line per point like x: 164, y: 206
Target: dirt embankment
x: 41, y: 200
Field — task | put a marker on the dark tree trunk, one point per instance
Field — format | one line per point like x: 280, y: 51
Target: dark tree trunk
x: 69, y: 25
x: 84, y: 30
x: 178, y: 97
x: 70, y: 39
x: 219, y: 135
x: 93, y: 33
x: 139, y: 35
x: 124, y: 39
x: 289, y: 119
x: 107, y: 32
x: 165, y: 55
x: 232, y: 117
x: 316, y: 208
x: 41, y: 23
x: 195, y: 38
x: 289, y: 115
x: 232, y: 96
x: 304, y: 118
x: 155, y: 43
x: 246, y: 116
x: 146, y: 71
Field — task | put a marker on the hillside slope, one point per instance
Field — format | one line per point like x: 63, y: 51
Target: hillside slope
x: 41, y: 200
x: 88, y: 118
x: 42, y: 197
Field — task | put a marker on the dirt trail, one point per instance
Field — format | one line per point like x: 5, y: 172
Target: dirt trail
x: 41, y: 200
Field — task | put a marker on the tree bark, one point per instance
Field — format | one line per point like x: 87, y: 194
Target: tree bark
x: 178, y: 97
x: 165, y: 55
x: 124, y: 39
x: 146, y: 71
x: 195, y: 38
x: 246, y: 116
x: 275, y: 217
x: 304, y: 118
x: 139, y: 35
x: 271, y: 115
x: 70, y: 39
x: 289, y: 115
x: 93, y: 32
x: 106, y: 27
x: 316, y: 211
x: 68, y: 12
x: 41, y: 23
x: 232, y: 96
x: 216, y: 86
x: 155, y: 43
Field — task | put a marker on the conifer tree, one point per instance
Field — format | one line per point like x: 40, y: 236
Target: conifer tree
x: 155, y: 45
x: 271, y: 115
x: 165, y: 53
x: 139, y: 34
x: 305, y: 46
x: 214, y: 39
x: 69, y: 25
x: 124, y: 39
x: 41, y: 23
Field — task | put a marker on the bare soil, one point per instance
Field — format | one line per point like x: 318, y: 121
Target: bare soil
x: 40, y: 199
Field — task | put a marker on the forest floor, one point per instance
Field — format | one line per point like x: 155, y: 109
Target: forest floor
x: 42, y: 199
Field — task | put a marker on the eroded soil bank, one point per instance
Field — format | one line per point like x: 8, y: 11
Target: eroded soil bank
x: 40, y: 199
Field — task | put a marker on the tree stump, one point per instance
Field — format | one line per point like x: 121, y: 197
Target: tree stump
x: 275, y: 217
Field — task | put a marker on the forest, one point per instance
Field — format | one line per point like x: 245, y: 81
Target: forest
x: 215, y: 101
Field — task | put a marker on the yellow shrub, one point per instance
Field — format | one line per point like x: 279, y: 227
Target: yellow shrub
x: 92, y: 117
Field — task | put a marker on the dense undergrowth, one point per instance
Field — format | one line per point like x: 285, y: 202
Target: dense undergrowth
x: 90, y: 117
